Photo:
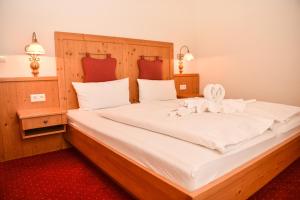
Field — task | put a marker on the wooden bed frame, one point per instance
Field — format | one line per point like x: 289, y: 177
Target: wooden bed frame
x: 136, y: 179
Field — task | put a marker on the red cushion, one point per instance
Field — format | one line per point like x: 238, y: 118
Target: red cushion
x: 99, y: 70
x: 150, y: 69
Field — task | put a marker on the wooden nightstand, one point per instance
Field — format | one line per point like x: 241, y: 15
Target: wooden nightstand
x: 41, y: 122
x: 187, y: 85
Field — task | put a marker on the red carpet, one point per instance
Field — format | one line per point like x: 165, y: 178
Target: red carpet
x: 63, y: 175
x: 67, y: 175
x: 285, y: 186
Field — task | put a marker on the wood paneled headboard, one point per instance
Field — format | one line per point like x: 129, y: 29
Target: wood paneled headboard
x: 71, y: 47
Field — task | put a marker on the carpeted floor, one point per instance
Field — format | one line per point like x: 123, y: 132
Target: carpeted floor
x: 67, y: 175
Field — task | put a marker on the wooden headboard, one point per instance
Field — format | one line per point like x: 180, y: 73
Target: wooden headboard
x: 71, y: 47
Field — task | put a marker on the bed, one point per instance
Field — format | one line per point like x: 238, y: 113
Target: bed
x: 188, y: 165
x: 155, y: 170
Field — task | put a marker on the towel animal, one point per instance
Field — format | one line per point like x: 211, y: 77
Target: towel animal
x: 214, y: 92
x: 213, y: 101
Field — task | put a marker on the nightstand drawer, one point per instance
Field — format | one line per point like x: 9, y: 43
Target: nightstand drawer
x: 41, y: 122
x: 38, y: 122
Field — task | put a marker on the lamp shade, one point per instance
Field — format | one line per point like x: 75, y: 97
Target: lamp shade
x: 34, y: 49
x: 188, y: 56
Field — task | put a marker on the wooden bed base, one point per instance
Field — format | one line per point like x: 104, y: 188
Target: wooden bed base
x: 143, y: 183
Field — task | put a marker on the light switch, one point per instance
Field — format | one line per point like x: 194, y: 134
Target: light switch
x: 37, y: 97
x: 182, y: 87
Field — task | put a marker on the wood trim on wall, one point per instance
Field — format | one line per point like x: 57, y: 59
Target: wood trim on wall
x: 24, y: 79
x: 15, y: 95
x: 1, y: 148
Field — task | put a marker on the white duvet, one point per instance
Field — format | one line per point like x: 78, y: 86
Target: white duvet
x: 219, y: 131
x: 275, y: 111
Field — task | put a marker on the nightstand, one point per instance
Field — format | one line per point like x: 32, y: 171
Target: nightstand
x: 41, y: 122
x: 187, y: 85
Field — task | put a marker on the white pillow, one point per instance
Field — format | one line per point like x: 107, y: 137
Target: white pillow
x: 150, y: 90
x: 96, y: 95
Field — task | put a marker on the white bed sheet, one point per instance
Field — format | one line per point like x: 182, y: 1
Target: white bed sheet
x: 188, y: 165
x: 217, y: 131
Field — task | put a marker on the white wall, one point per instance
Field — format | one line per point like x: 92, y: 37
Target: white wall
x: 19, y: 66
x: 163, y: 20
x: 252, y: 47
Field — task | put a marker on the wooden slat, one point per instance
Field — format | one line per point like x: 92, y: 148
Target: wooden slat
x: 1, y: 148
x: 72, y: 70
x: 30, y: 113
x: 134, y: 52
x: 24, y: 79
x: 129, y: 41
x: 45, y: 133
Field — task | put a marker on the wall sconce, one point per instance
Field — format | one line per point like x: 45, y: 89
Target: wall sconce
x: 187, y: 56
x: 34, y: 49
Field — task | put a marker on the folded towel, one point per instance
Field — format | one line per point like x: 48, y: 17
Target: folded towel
x: 214, y: 92
x: 214, y: 107
x: 232, y: 106
x: 193, y: 102
x: 213, y: 101
x: 181, y: 112
x: 200, y: 105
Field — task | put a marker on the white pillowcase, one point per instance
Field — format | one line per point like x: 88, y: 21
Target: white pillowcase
x: 150, y: 90
x: 96, y: 95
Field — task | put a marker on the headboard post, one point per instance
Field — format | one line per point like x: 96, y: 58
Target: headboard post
x: 71, y: 47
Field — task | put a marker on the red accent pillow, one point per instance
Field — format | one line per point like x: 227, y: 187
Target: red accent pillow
x: 150, y: 69
x: 99, y: 70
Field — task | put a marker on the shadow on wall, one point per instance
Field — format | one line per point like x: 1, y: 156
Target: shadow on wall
x: 251, y: 79
x: 19, y: 66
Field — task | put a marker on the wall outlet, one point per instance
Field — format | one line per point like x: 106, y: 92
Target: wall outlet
x: 182, y: 87
x: 37, y: 97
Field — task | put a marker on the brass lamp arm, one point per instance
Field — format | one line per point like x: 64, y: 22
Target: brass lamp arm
x: 180, y: 57
x: 186, y: 47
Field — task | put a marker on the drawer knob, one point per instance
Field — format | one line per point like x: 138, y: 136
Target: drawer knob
x: 45, y: 121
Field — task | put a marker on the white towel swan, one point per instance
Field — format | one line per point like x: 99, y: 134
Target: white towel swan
x: 213, y: 101
x: 214, y: 95
x: 214, y: 92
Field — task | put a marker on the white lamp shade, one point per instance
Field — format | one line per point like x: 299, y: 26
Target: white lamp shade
x: 34, y: 49
x: 188, y: 57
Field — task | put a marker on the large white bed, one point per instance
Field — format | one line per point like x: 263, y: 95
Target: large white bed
x: 186, y: 164
x: 239, y: 157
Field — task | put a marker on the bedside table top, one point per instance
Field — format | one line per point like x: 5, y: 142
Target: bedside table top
x: 30, y: 113
x: 186, y: 75
x: 182, y: 96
